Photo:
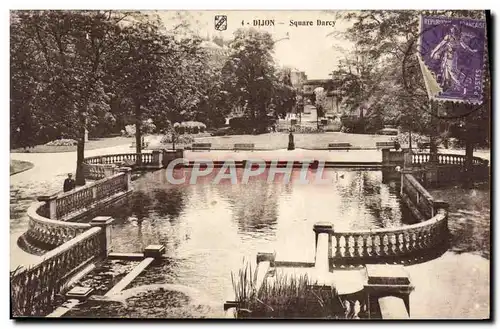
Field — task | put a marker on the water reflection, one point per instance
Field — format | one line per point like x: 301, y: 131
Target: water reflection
x: 208, y: 228
x: 268, y: 210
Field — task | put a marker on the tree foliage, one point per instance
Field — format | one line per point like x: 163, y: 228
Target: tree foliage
x: 388, y: 77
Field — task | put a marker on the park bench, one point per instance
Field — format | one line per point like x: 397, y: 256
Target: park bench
x: 423, y: 145
x: 339, y: 146
x: 201, y: 146
x: 244, y: 146
x: 385, y: 145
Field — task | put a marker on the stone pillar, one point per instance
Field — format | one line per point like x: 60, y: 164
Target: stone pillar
x: 266, y: 257
x: 432, y: 174
x: 407, y: 158
x: 386, y: 157
x: 323, y: 228
x: 52, y: 205
x: 109, y: 170
x: 157, y: 158
x: 104, y: 222
x: 154, y: 251
x: 128, y: 172
x: 439, y: 204
x: 94, y: 192
x: 387, y: 280
x: 179, y: 153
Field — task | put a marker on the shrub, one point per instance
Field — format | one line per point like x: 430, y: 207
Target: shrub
x: 415, y: 138
x: 129, y: 131
x: 244, y: 125
x: 179, y: 139
x: 63, y: 142
x: 147, y: 127
x: 333, y: 126
x: 189, y: 127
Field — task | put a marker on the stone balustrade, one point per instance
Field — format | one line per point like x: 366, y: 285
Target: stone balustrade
x: 374, y: 246
x: 355, y: 305
x: 50, y: 223
x: 418, y: 159
x: 394, y: 244
x: 102, y: 166
x: 418, y: 195
x: 81, y: 199
x: 33, y: 290
x: 98, y: 171
x: 49, y: 232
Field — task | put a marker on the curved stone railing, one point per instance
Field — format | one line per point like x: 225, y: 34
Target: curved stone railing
x: 51, y: 222
x: 395, y: 244
x: 101, y: 166
x: 51, y: 232
x: 372, y: 245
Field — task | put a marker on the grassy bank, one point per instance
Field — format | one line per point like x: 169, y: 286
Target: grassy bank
x: 469, y: 217
x: 92, y: 144
x: 17, y: 166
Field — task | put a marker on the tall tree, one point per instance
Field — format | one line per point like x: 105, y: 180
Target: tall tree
x: 67, y: 51
x: 250, y: 71
x: 391, y: 37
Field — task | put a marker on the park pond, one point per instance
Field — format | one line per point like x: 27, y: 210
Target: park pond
x: 208, y: 229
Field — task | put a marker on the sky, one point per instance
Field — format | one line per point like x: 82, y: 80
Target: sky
x: 308, y: 48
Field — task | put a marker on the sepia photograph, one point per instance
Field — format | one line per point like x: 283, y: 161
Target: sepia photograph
x: 250, y: 164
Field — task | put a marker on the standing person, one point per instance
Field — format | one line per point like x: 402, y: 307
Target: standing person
x: 69, y: 183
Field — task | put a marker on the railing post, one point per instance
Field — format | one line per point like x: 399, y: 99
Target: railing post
x: 386, y: 157
x: 439, y: 204
x: 109, y: 171
x: 386, y: 280
x: 128, y: 173
x: 104, y: 222
x: 323, y: 239
x: 52, y: 204
x: 157, y: 158
x: 407, y: 158
x: 94, y: 192
x: 265, y: 260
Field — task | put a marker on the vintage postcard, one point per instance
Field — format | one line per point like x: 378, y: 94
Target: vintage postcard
x: 250, y: 164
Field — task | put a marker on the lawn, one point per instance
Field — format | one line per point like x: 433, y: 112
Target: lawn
x: 17, y: 166
x: 92, y: 144
x: 469, y: 217
x: 275, y: 141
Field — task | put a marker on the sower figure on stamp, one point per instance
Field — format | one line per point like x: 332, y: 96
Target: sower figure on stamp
x: 69, y: 183
x: 448, y: 52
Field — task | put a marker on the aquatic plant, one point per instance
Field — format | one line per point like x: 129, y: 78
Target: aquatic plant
x: 284, y: 297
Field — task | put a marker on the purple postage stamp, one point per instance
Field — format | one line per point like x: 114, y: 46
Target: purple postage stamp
x: 452, y: 58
